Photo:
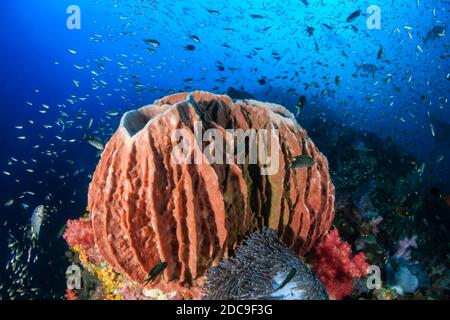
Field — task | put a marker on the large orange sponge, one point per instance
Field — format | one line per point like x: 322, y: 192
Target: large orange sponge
x: 147, y: 209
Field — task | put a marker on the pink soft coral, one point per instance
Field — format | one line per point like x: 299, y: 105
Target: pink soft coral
x: 335, y: 265
x: 79, y: 233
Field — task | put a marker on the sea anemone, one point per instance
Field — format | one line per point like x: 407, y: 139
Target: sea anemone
x: 260, y: 269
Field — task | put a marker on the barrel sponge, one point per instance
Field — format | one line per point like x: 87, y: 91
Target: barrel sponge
x: 146, y: 208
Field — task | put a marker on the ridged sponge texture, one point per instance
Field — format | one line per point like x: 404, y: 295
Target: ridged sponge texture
x: 146, y: 208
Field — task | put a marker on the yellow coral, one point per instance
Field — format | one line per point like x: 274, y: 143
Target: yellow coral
x: 84, y: 259
x: 110, y: 281
x: 186, y: 295
x: 76, y: 249
x: 111, y: 297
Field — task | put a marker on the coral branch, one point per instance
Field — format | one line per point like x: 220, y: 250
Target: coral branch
x: 79, y: 234
x: 71, y: 294
x: 335, y: 265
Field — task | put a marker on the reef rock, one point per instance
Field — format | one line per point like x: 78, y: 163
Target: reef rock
x: 146, y: 208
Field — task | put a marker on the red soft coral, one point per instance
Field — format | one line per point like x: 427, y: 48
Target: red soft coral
x: 79, y: 233
x: 335, y: 265
x: 71, y: 294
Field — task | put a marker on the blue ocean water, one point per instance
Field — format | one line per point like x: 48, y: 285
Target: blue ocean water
x: 392, y: 81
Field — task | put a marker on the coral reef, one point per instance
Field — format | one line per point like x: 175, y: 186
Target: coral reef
x: 71, y: 294
x: 335, y: 265
x: 405, y: 246
x: 397, y: 201
x: 256, y: 271
x: 388, y: 204
x: 100, y: 281
x: 146, y: 209
x: 79, y: 233
x: 356, y: 170
x: 80, y: 238
x: 405, y: 276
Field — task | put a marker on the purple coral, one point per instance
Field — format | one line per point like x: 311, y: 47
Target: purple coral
x: 405, y: 246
